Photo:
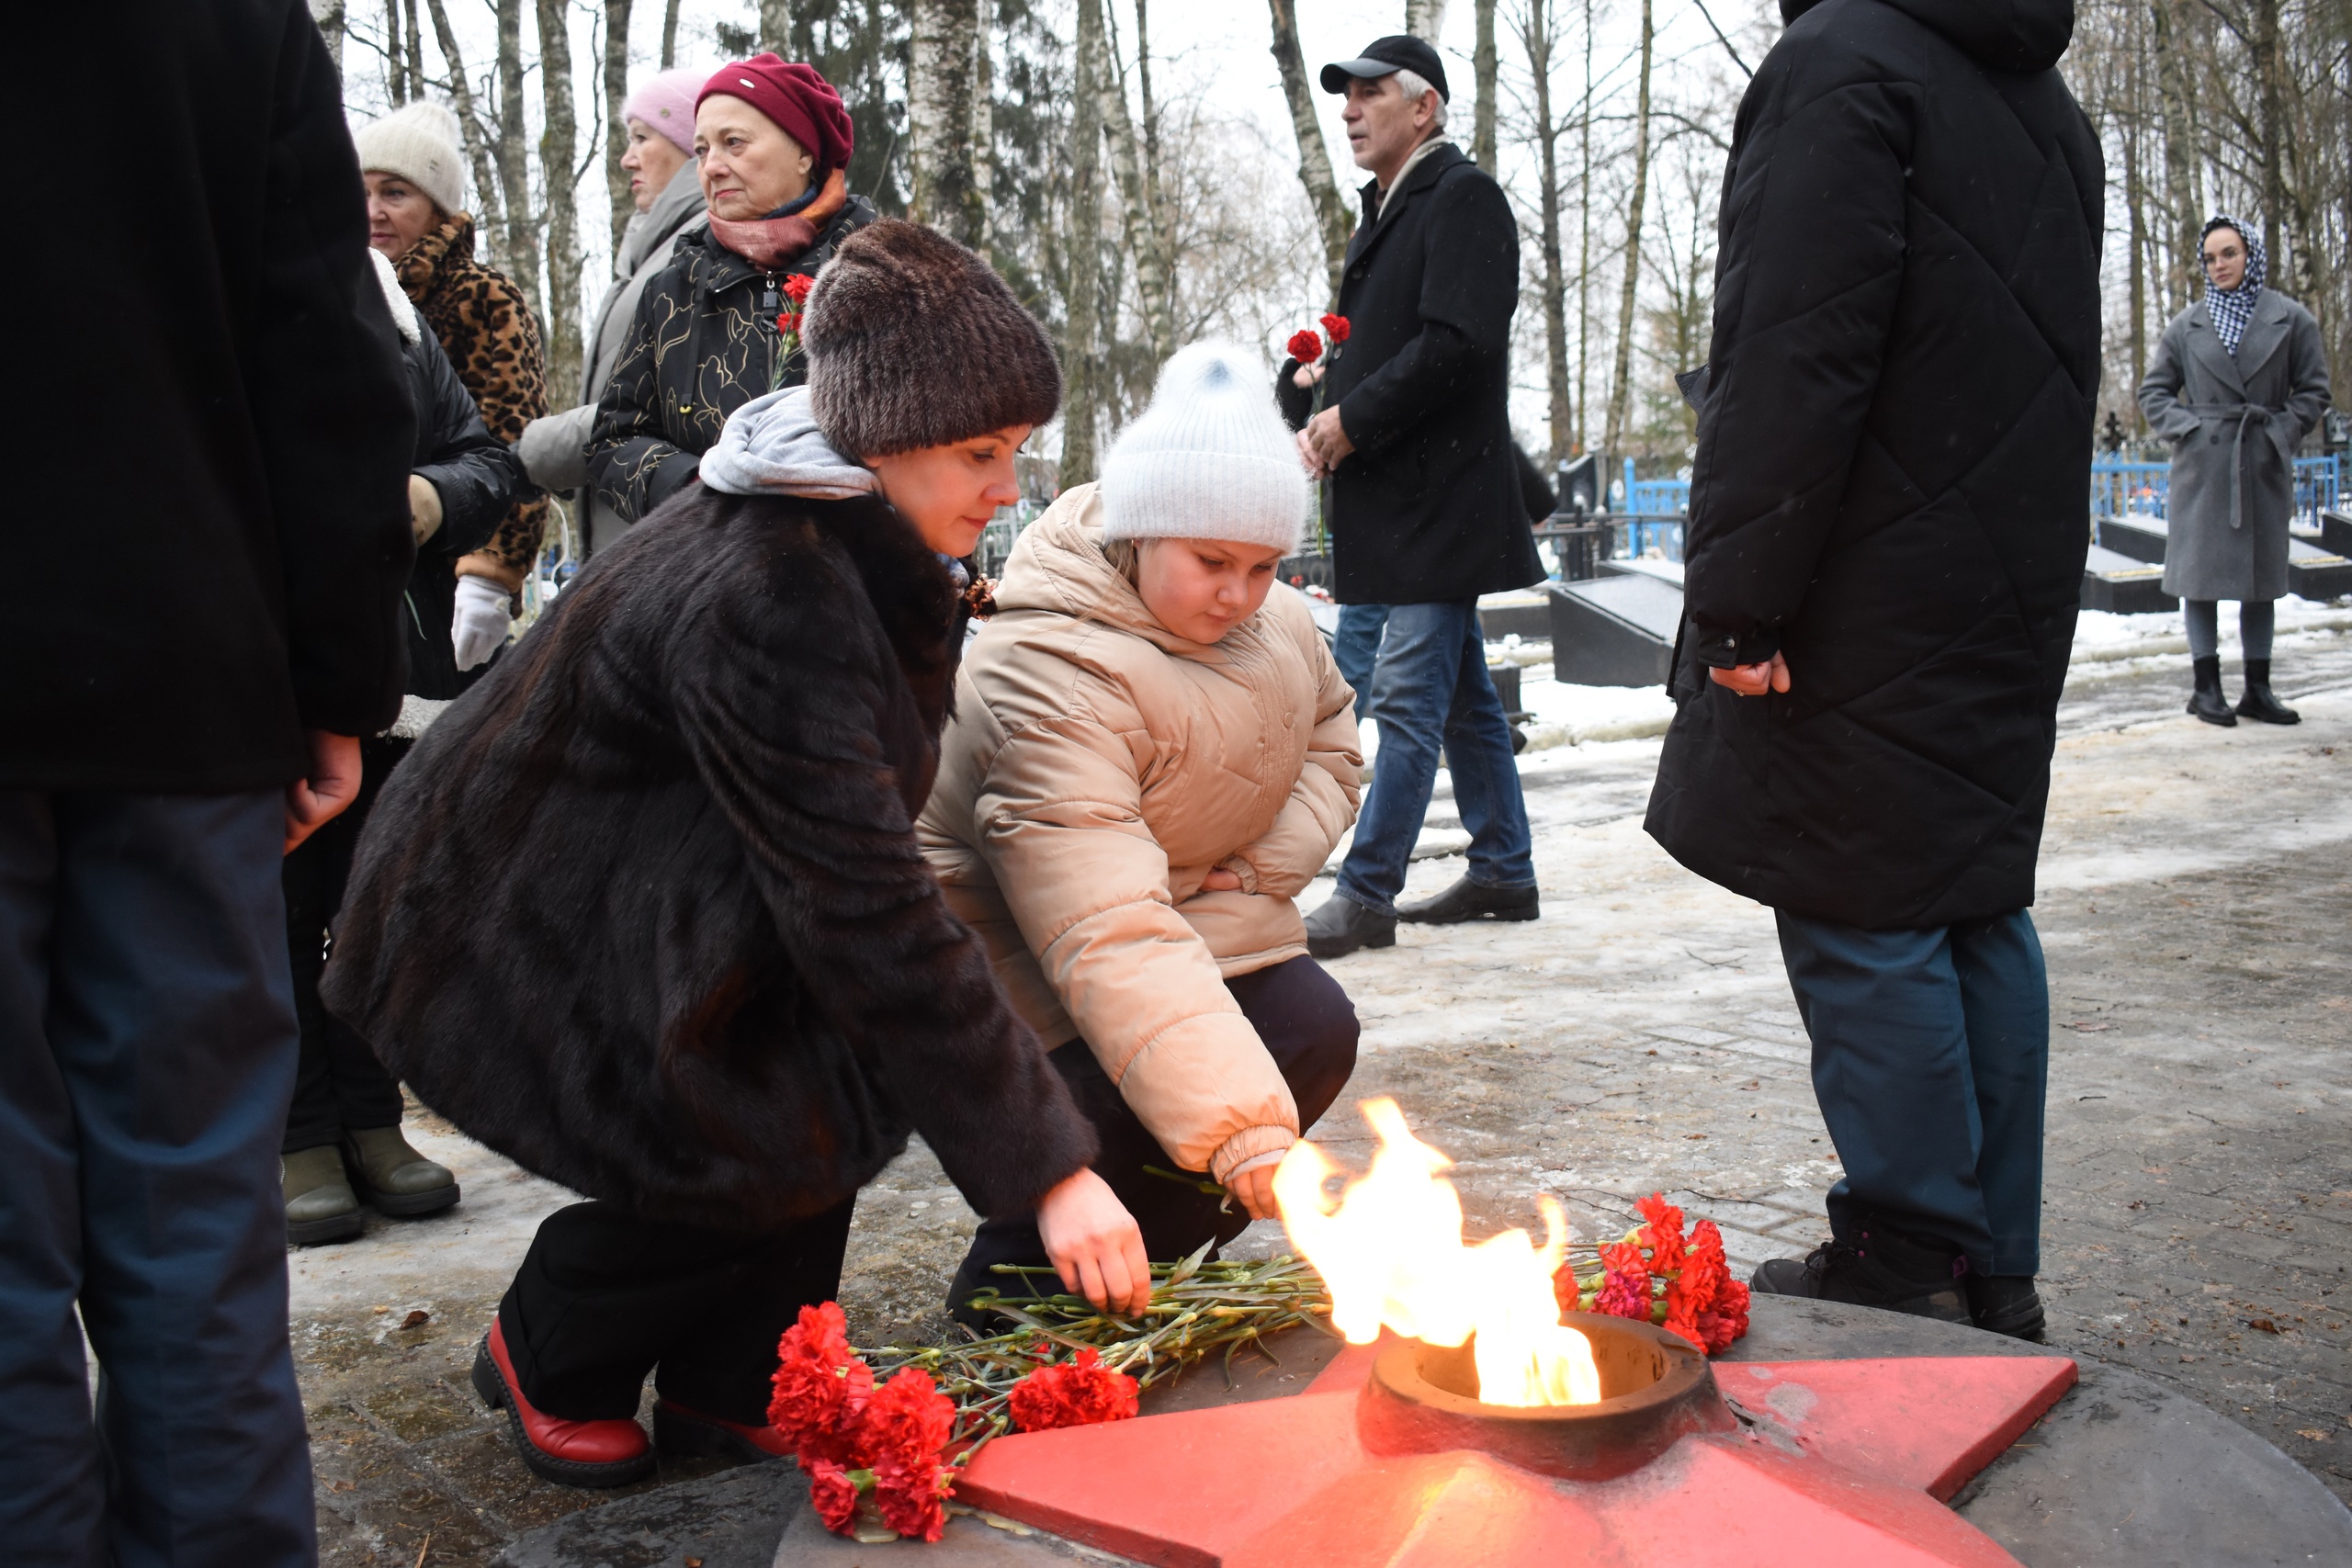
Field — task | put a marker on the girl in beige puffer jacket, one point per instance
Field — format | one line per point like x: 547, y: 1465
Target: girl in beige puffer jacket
x: 1152, y: 754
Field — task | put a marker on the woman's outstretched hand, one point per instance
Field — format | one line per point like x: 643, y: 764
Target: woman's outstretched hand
x: 1095, y: 1244
x: 1254, y: 1190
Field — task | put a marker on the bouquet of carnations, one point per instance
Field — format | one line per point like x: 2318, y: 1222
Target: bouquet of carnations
x: 1655, y: 1272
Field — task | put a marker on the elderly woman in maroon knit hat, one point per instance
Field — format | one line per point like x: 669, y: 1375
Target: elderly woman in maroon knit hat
x: 720, y: 325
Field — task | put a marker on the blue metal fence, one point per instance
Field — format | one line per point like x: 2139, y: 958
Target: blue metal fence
x: 2121, y: 489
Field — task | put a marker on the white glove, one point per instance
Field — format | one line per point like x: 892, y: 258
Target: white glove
x: 478, y: 627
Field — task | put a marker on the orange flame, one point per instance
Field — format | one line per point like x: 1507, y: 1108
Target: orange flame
x: 1391, y: 1250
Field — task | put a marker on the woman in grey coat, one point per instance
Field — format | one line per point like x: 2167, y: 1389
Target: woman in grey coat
x: 2237, y: 382
x: 660, y: 160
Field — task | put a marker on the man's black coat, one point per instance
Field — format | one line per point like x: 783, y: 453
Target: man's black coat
x: 644, y: 912
x: 479, y: 479
x: 1893, y: 465
x: 209, y: 534
x: 1429, y: 507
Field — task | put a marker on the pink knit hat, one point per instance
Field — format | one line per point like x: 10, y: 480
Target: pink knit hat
x: 666, y: 103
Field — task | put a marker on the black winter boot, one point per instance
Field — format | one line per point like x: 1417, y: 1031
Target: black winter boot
x: 2207, y: 702
x: 2258, y: 704
x: 2006, y: 1304
x: 1919, y: 1275
x: 1342, y: 925
x: 1468, y: 901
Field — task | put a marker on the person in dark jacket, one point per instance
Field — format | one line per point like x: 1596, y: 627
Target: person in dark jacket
x: 1427, y: 511
x: 2238, y: 381
x: 1884, y: 559
x: 645, y: 912
x: 343, y: 1129
x: 719, y: 326
x: 190, y: 663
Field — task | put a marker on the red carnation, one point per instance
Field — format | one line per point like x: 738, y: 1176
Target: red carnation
x: 821, y: 1390
x: 796, y: 288
x: 907, y: 1423
x: 1728, y: 1320
x: 1083, y: 1392
x: 1663, y: 1234
x: 834, y: 1495
x: 788, y: 322
x: 1336, y: 327
x: 1626, y: 1291
x: 1305, y: 346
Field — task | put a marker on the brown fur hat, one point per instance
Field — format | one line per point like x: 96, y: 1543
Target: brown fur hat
x: 914, y: 342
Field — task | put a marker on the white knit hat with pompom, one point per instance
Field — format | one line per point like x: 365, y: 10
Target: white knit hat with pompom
x: 1211, y: 457
x: 419, y: 144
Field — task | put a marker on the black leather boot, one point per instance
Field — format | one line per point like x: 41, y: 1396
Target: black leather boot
x: 1468, y: 901
x: 1342, y: 925
x: 2258, y: 704
x: 2207, y: 702
x: 1881, y: 1268
x: 2006, y: 1304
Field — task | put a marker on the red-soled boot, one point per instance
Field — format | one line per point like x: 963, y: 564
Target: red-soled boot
x: 573, y: 1454
x: 689, y: 1434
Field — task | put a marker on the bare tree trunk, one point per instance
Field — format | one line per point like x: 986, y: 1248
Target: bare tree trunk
x: 1584, y: 238
x: 1537, y: 34
x: 776, y: 26
x: 513, y: 158
x: 1483, y: 67
x: 939, y: 117
x: 1314, y: 158
x: 670, y: 36
x: 983, y: 133
x: 2266, y: 73
x: 395, y: 74
x: 1620, y: 389
x: 328, y: 14
x: 1140, y: 220
x: 2180, y: 150
x: 2135, y: 211
x: 616, y: 129
x: 489, y: 209
x: 558, y: 146
x: 413, y: 42
x: 1081, y: 366
x: 1423, y: 19
x: 1165, y: 233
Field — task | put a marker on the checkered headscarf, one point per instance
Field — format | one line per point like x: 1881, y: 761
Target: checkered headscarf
x: 2232, y: 308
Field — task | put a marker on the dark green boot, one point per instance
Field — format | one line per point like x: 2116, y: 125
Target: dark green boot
x: 320, y: 1205
x: 393, y: 1177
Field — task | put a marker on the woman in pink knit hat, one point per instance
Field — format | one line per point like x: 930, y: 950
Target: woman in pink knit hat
x: 660, y: 163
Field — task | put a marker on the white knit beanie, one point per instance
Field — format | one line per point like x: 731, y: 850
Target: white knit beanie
x: 1211, y: 458
x: 419, y: 144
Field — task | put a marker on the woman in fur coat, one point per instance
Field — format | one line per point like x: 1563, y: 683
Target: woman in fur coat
x: 1152, y: 754
x: 644, y: 910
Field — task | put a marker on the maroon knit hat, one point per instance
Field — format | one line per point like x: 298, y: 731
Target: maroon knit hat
x: 797, y: 97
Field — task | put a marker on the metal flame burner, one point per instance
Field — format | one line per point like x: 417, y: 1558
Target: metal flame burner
x: 1655, y: 1387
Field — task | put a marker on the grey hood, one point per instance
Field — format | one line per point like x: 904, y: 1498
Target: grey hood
x: 652, y: 229
x: 771, y: 446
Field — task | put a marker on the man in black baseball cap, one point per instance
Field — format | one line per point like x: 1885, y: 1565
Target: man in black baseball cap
x: 1397, y: 52
x: 1426, y: 512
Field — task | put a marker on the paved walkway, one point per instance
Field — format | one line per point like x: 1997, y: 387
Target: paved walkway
x: 2197, y: 897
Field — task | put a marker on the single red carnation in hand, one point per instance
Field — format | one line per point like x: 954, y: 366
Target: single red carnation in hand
x: 1336, y: 327
x: 1083, y: 1392
x: 834, y: 1495
x: 788, y: 322
x: 796, y: 288
x: 821, y: 1390
x: 1663, y: 1234
x: 1305, y: 346
x: 907, y: 1423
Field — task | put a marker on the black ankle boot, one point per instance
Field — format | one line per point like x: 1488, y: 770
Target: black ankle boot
x: 2258, y: 704
x: 1880, y: 1268
x: 2207, y: 702
x: 2006, y: 1304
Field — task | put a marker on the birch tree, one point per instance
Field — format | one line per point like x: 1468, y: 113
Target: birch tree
x: 943, y: 53
x: 616, y: 14
x: 1314, y: 158
x: 776, y: 26
x: 1483, y: 68
x: 487, y: 209
x: 558, y: 139
x: 1139, y: 224
x: 1538, y: 33
x: 1620, y: 384
x: 1082, y: 338
x: 328, y: 14
x: 1424, y: 18
x: 670, y: 35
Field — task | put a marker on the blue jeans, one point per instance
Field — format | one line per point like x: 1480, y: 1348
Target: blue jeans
x: 1356, y: 644
x: 1430, y: 689
x: 147, y: 1047
x: 1930, y: 1060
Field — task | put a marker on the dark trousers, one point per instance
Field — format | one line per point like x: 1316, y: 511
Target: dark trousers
x: 1930, y: 1060
x: 338, y: 1083
x: 605, y: 1297
x: 146, y: 1053
x: 1309, y: 1028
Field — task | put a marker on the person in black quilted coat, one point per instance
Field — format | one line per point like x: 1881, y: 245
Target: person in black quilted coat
x: 1884, y: 563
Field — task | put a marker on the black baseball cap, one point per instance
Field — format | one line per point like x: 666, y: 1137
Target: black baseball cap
x: 1398, y: 51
